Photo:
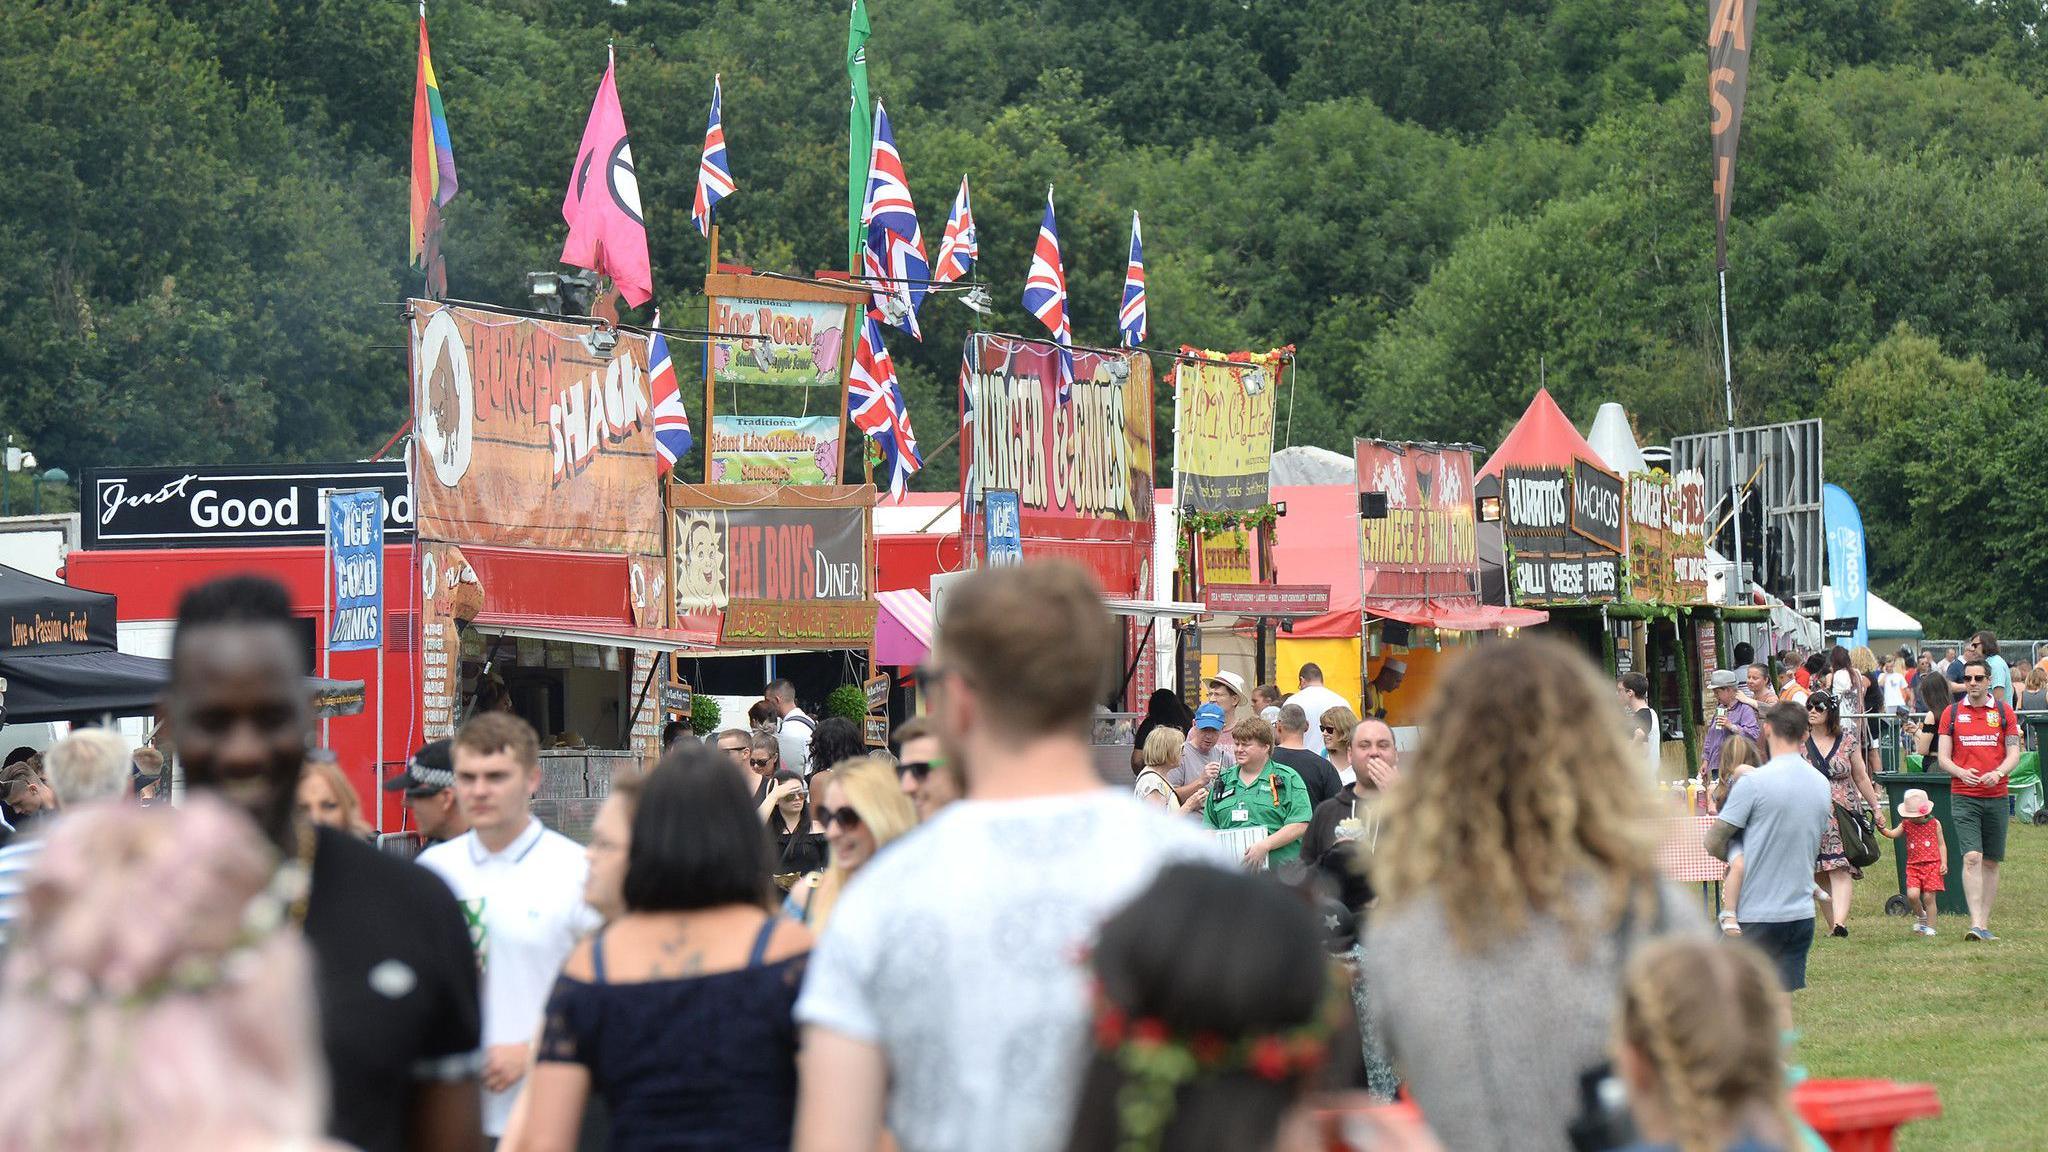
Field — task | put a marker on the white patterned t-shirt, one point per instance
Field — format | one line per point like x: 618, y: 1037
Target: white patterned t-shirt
x: 960, y: 952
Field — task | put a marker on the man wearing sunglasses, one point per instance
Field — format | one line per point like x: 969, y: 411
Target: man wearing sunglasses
x: 951, y: 991
x: 927, y: 777
x: 1979, y: 744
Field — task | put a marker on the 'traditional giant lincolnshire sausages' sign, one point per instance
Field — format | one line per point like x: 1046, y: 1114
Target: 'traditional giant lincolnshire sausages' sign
x: 532, y: 433
x: 761, y: 566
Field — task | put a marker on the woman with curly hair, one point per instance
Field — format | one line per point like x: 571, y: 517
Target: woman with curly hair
x: 1698, y: 1046
x: 835, y: 741
x: 1516, y: 873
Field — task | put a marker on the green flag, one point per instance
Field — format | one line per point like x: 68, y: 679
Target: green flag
x: 859, y: 129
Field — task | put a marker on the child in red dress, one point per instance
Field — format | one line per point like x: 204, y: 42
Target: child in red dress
x: 1926, y: 856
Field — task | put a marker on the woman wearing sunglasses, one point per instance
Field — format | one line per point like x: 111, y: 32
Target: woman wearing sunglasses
x: 1832, y: 749
x: 1338, y: 724
x: 864, y: 809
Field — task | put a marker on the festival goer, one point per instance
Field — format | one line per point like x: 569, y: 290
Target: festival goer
x: 1926, y: 856
x: 154, y: 996
x: 1209, y: 1032
x: 1980, y: 745
x: 1893, y: 684
x: 734, y: 743
x: 1731, y: 716
x: 1644, y: 729
x: 147, y: 778
x: 2001, y: 672
x: 794, y: 728
x: 1744, y: 654
x: 1266, y: 702
x: 326, y: 798
x: 1226, y: 691
x: 1504, y: 862
x: 611, y: 839
x: 1757, y: 690
x: 696, y: 955
x: 396, y: 978
x: 1317, y: 775
x: 863, y: 810
x: 1832, y: 751
x: 1314, y: 696
x: 1341, y: 839
x: 950, y: 984
x: 1935, y: 700
x: 1738, y: 756
x: 1781, y: 811
x: 1335, y: 727
x: 88, y: 767
x: 1260, y: 795
x: 1869, y: 704
x: 1163, y: 709
x: 429, y: 786
x: 1697, y: 1044
x: 1952, y: 670
x: 1844, y: 685
x: 521, y: 887
x: 835, y: 741
x: 799, y: 839
x: 764, y: 762
x: 1204, y: 756
x: 2033, y: 698
x: 673, y: 732
x: 1159, y: 756
x: 929, y: 777
x: 762, y: 718
x: 28, y: 795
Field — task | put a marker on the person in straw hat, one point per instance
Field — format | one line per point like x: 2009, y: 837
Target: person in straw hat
x: 1926, y: 856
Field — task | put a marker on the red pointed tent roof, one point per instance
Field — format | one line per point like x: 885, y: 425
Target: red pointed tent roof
x: 1542, y: 438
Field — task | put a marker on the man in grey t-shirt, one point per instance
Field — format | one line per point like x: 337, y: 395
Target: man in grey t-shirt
x: 1780, y: 811
x: 1205, y: 755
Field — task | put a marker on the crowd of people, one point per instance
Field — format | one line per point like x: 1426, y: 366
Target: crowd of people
x: 776, y: 938
x: 1958, y: 710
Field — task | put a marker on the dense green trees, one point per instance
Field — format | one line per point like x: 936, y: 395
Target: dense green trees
x: 1433, y: 199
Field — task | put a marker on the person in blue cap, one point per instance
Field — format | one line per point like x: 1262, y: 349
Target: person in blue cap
x: 1204, y: 757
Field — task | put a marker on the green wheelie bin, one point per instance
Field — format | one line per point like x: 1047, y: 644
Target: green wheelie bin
x: 1949, y: 901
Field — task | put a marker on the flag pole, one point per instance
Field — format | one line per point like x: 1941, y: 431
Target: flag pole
x: 1741, y: 591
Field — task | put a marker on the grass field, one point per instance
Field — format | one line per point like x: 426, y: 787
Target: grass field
x: 1967, y: 1018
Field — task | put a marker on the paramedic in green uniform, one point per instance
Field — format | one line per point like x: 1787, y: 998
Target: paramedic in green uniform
x: 1260, y: 793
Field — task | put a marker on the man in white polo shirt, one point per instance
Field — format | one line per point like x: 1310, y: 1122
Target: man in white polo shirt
x: 521, y: 890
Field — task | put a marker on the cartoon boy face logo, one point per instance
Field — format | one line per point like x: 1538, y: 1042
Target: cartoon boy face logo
x: 700, y: 562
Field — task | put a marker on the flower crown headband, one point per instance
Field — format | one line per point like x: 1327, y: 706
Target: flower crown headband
x: 1156, y: 1060
x: 268, y: 911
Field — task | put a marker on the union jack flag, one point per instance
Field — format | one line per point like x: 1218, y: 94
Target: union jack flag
x: 1045, y: 295
x: 878, y: 409
x: 958, y: 248
x: 893, y: 259
x: 672, y: 438
x: 1131, y: 319
x: 714, y: 173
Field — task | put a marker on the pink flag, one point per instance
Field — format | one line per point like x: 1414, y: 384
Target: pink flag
x: 607, y: 233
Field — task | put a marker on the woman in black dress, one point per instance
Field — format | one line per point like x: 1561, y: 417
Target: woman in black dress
x: 696, y: 955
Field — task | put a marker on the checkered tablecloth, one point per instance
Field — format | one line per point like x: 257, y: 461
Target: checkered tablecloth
x: 1682, y: 855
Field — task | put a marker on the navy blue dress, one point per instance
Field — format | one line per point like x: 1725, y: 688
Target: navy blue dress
x: 699, y: 1062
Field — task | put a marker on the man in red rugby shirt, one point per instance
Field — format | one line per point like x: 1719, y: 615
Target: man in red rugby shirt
x: 1979, y: 745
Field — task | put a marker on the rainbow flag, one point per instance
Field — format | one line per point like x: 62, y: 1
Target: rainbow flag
x: 433, y: 157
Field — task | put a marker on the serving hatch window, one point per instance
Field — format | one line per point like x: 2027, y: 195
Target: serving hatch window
x: 575, y: 695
